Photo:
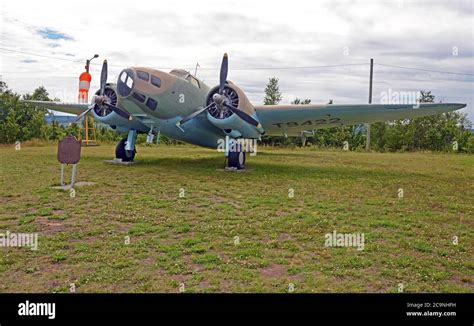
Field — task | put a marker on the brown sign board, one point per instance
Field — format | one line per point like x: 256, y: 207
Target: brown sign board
x: 69, y: 150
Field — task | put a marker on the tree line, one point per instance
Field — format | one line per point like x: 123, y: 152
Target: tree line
x: 20, y: 121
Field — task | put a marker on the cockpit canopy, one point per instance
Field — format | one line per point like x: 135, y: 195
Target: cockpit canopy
x: 180, y: 73
x: 186, y: 75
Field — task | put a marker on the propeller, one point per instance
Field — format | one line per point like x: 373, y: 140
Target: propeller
x: 244, y: 116
x: 101, y: 99
x: 103, y: 77
x: 80, y: 116
x: 220, y: 100
x: 194, y: 114
x: 223, y: 73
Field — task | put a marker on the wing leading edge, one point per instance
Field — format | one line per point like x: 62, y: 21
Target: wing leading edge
x: 294, y: 119
x: 72, y: 108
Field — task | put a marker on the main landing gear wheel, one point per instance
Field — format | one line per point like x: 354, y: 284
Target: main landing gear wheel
x: 121, y: 153
x: 236, y: 160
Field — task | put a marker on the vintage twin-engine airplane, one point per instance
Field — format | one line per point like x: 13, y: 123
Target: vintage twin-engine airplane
x: 146, y: 100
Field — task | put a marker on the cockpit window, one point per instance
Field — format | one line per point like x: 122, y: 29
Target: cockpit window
x: 123, y: 76
x: 125, y: 82
x: 143, y: 75
x: 156, y: 81
x: 193, y: 81
x: 187, y: 76
x: 179, y: 73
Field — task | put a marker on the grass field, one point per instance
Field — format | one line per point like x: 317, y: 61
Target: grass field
x: 190, y: 241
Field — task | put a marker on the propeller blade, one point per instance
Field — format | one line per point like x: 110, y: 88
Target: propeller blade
x: 223, y: 73
x: 244, y: 116
x: 80, y: 116
x: 103, y: 77
x: 194, y: 114
x: 119, y: 111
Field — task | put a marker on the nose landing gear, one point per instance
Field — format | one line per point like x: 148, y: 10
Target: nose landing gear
x: 125, y: 149
x: 122, y: 153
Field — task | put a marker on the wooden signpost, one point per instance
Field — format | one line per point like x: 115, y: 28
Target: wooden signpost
x: 69, y: 152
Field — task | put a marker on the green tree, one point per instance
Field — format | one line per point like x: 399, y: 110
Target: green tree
x: 3, y: 87
x: 20, y: 121
x: 272, y: 92
x: 300, y: 101
x: 426, y: 97
x: 39, y: 94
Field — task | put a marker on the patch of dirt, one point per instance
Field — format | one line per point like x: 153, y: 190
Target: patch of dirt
x: 437, y: 206
x: 463, y: 281
x: 284, y: 236
x: 274, y: 271
x: 123, y: 228
x: 148, y: 261
x: 204, y: 284
x: 49, y: 226
x: 5, y: 199
x: 180, y: 278
x: 228, y: 201
x: 191, y: 266
x: 228, y: 285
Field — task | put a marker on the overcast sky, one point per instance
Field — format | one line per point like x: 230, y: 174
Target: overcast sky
x: 431, y: 35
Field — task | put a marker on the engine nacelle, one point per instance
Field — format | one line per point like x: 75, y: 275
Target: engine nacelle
x: 104, y: 114
x: 235, y: 127
x: 226, y: 120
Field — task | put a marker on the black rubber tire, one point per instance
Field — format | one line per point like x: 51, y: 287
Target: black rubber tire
x: 121, y: 153
x: 236, y: 160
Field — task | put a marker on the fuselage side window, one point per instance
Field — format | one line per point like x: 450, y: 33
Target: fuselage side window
x: 156, y: 81
x: 143, y: 75
x: 151, y: 103
x: 139, y: 97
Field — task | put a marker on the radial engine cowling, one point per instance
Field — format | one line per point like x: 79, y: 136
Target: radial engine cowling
x: 228, y: 121
x: 102, y: 110
x: 104, y: 114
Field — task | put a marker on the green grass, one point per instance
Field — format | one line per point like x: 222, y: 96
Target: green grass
x: 190, y: 240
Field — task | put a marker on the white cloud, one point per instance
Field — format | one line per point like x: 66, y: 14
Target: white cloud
x: 179, y: 33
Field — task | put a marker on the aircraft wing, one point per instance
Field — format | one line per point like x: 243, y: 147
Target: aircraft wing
x: 73, y: 108
x: 291, y: 120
